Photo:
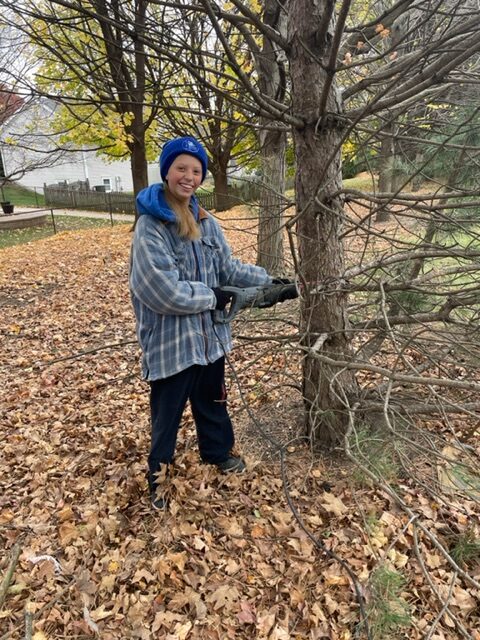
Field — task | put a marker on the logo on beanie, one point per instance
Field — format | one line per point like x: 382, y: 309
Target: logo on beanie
x: 190, y: 146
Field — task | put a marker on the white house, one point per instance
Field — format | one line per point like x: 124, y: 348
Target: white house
x: 30, y: 155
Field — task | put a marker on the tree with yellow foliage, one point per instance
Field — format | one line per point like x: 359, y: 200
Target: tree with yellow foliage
x: 99, y: 74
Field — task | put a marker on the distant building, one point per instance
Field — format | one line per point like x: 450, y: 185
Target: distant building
x: 31, y: 157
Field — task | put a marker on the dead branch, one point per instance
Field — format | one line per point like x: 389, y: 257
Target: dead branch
x: 445, y: 603
x: 387, y: 488
x: 392, y: 375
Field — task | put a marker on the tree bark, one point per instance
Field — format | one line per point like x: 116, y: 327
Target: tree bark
x: 318, y: 177
x: 273, y: 144
x: 272, y: 204
x: 386, y: 170
x: 138, y: 162
x: 222, y: 197
x: 137, y: 148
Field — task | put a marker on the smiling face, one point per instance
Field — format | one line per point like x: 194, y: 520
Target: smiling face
x: 184, y: 176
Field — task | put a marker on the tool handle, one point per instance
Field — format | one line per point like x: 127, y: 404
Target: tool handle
x: 239, y: 301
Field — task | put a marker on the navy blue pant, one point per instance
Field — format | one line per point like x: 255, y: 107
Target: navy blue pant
x: 204, y: 386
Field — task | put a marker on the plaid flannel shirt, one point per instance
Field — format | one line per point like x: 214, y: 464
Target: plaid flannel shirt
x: 171, y: 281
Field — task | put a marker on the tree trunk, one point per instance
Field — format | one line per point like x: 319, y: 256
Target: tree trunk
x: 386, y: 170
x: 223, y: 200
x: 138, y: 158
x: 418, y: 177
x: 272, y: 203
x: 318, y: 178
x: 138, y: 163
x: 272, y: 150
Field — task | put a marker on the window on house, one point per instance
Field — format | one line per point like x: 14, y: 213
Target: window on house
x: 107, y: 183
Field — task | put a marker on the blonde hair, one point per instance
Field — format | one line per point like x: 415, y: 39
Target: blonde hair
x: 187, y: 225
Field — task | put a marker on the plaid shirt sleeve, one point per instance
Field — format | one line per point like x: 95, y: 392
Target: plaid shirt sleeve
x: 154, y: 277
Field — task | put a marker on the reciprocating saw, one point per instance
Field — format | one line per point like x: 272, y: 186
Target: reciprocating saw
x: 259, y: 297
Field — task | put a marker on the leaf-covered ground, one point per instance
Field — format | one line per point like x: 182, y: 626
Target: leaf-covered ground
x: 237, y: 557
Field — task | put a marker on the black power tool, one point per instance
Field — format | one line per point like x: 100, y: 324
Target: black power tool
x: 259, y: 297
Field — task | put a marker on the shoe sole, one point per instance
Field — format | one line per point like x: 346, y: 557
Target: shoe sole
x: 158, y: 508
x: 234, y: 470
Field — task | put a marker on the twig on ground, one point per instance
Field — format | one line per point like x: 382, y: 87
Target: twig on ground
x: 10, y: 571
x: 28, y: 622
x: 445, y: 603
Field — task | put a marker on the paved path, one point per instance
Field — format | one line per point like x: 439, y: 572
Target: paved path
x: 77, y: 213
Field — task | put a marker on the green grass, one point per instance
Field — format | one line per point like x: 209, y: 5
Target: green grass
x: 388, y: 612
x: 377, y: 453
x: 12, y: 237
x: 21, y: 196
x: 465, y: 549
x: 362, y: 182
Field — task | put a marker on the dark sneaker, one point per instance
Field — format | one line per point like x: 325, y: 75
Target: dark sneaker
x: 232, y: 465
x: 159, y: 504
x: 159, y: 484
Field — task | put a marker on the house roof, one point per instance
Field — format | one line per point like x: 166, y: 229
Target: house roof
x: 9, y: 104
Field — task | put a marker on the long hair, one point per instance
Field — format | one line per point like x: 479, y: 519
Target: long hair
x: 187, y: 225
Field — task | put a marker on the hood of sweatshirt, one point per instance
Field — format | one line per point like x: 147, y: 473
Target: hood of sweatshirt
x: 151, y: 201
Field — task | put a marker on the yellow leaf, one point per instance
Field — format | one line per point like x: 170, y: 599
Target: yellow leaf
x: 399, y: 560
x: 433, y: 560
x: 113, y: 566
x: 378, y: 539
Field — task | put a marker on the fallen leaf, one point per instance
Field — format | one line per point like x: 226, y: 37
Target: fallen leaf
x: 332, y: 504
x: 223, y: 596
x: 246, y: 615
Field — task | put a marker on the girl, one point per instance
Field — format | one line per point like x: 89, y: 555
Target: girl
x: 180, y: 258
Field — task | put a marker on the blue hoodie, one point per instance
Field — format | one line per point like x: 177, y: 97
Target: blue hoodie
x: 152, y: 201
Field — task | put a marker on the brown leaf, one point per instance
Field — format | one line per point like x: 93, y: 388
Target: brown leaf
x: 67, y: 532
x: 223, y: 596
x: 334, y: 505
x: 246, y: 615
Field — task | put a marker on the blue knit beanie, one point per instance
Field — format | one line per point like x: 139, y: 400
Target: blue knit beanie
x: 176, y: 147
